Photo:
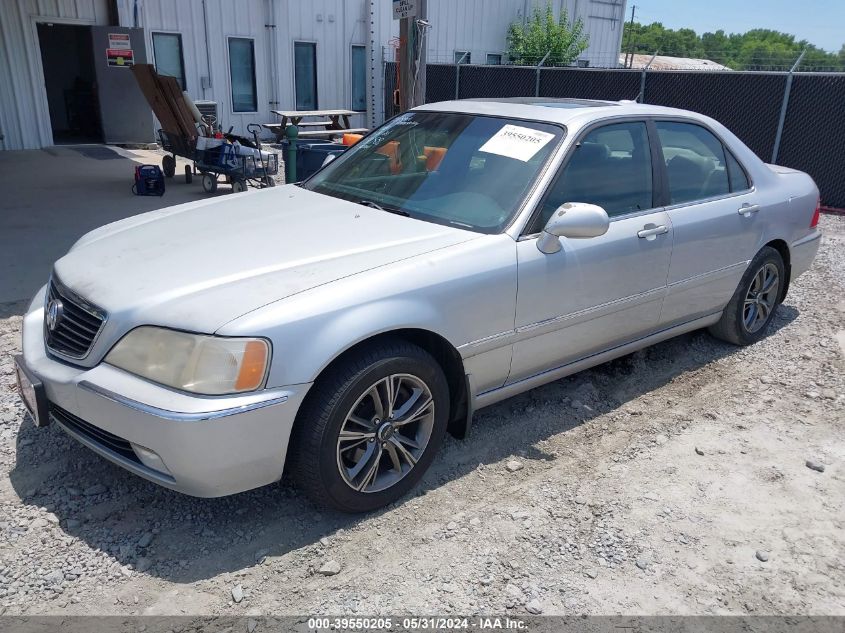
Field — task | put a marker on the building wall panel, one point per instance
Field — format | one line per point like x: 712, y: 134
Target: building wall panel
x: 24, y: 114
x: 335, y: 26
x: 604, y: 20
x: 479, y: 26
x: 224, y: 19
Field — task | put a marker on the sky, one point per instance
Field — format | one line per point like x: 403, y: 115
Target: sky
x: 820, y: 22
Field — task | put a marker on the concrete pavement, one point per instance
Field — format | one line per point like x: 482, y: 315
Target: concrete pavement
x: 51, y: 197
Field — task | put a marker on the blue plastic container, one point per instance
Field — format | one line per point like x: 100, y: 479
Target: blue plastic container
x: 310, y: 155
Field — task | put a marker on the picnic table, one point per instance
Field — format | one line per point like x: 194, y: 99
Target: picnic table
x: 333, y: 123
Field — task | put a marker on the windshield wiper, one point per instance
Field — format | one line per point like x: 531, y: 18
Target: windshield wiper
x: 376, y: 205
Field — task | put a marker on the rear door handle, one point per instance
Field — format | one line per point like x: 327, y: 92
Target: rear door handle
x: 748, y: 209
x: 652, y: 232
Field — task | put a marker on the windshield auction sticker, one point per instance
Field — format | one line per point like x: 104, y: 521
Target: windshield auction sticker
x: 517, y: 142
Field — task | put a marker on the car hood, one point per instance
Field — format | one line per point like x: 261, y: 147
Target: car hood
x: 200, y: 265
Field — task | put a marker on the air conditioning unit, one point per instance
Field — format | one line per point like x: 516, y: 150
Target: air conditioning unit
x: 207, y: 108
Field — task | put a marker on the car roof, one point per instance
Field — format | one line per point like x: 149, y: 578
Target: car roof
x: 564, y: 111
x: 550, y: 102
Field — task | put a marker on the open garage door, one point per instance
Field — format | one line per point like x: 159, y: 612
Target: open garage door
x: 70, y: 82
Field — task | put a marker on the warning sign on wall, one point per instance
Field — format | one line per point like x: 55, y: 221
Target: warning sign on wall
x: 404, y: 9
x: 119, y: 40
x: 121, y: 58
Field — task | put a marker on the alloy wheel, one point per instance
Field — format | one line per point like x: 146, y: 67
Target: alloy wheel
x: 761, y: 298
x: 385, y: 433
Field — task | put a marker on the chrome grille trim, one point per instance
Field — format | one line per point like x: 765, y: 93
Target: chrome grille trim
x: 80, y: 326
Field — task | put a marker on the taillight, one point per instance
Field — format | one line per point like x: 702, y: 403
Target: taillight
x: 815, y: 221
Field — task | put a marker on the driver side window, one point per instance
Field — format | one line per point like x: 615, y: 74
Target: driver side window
x: 610, y: 167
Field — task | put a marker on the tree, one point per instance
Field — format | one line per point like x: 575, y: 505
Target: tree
x: 758, y: 49
x: 564, y: 40
x: 716, y: 47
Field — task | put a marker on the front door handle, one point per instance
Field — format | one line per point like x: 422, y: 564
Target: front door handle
x: 650, y: 232
x: 747, y: 209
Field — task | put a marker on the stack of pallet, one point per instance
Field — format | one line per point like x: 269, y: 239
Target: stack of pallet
x: 164, y: 94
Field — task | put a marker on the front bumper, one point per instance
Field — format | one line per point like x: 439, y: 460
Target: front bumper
x: 201, y: 446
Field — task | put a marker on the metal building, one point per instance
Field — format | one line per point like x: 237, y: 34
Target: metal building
x: 479, y: 27
x: 63, y: 63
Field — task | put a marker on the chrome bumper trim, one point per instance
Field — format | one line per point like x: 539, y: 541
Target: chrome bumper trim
x: 178, y: 416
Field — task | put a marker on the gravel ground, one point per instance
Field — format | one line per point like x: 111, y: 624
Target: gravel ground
x: 674, y: 480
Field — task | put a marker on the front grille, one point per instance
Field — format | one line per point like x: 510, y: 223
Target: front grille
x: 77, y: 325
x: 95, y: 434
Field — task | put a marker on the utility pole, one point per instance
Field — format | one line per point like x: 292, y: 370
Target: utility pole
x: 412, y: 36
x: 628, y: 38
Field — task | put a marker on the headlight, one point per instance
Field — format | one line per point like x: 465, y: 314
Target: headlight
x: 208, y: 365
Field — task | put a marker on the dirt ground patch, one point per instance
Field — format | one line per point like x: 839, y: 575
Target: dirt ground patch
x: 674, y: 480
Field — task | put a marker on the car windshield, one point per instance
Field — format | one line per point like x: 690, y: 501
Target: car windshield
x: 463, y: 170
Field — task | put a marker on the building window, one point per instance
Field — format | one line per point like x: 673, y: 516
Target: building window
x: 359, y: 78
x: 167, y: 50
x: 305, y: 75
x: 463, y: 57
x: 242, y: 73
x: 494, y: 59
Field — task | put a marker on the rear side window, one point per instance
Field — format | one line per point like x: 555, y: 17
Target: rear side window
x: 610, y: 167
x: 695, y: 162
x: 737, y: 175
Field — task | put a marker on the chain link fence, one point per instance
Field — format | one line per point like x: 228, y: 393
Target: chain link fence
x: 749, y: 103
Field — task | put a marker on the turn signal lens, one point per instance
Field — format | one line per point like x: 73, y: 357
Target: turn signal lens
x: 253, y: 366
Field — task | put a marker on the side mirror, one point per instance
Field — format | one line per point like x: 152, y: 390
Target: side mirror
x: 575, y: 220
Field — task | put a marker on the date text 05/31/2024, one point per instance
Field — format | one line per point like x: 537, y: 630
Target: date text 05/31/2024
x: 416, y: 624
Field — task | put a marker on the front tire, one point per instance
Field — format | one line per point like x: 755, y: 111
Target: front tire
x: 370, y: 427
x: 749, y: 313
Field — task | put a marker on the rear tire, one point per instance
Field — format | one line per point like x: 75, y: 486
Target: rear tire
x: 238, y: 186
x: 749, y: 313
x: 350, y: 449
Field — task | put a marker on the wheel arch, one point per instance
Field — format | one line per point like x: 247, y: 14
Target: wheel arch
x: 783, y: 249
x: 446, y: 355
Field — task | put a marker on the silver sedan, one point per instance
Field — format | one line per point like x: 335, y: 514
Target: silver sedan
x: 460, y: 254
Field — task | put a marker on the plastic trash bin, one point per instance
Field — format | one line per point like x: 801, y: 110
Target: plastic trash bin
x: 311, y: 155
